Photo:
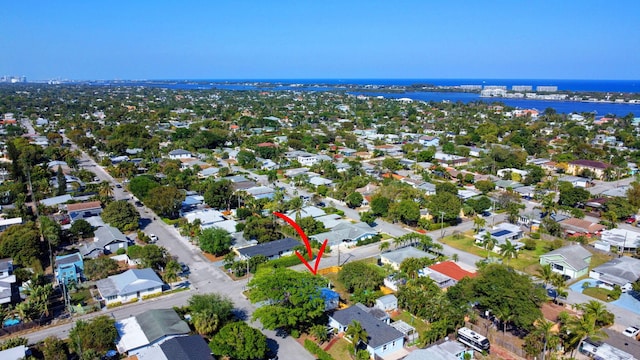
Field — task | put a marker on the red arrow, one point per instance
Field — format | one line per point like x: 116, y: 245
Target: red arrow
x: 300, y: 232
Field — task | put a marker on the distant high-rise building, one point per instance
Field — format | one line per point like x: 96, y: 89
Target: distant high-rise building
x: 522, y: 88
x: 546, y: 88
x: 13, y: 79
x: 495, y: 87
x: 471, y: 87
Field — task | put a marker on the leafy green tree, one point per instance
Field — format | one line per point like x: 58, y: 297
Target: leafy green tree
x: 218, y: 194
x: 311, y: 226
x: 215, y: 241
x: 51, y: 230
x: 122, y: 215
x: 479, y: 204
x: 153, y: 256
x: 319, y: 332
x: 13, y: 342
x: 294, y: 299
x: 214, y: 303
x: 81, y: 228
x: 407, y: 211
x: 54, y: 349
x: 62, y: 182
x: 22, y: 243
x: 447, y: 203
x: 361, y: 276
x: 100, y: 268
x: 620, y: 207
x: 573, y: 195
x: 354, y: 200
x: 262, y: 229
x: 165, y: 200
x: 246, y: 159
x: 633, y: 194
x: 446, y: 187
x: 98, y: 334
x: 171, y: 271
x: 238, y: 340
x: 368, y: 217
x: 498, y: 286
x: 141, y: 185
x: 485, y: 186
x: 380, y: 205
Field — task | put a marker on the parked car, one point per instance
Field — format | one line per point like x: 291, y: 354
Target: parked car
x: 153, y: 238
x: 630, y: 220
x: 632, y: 331
x: 184, y: 267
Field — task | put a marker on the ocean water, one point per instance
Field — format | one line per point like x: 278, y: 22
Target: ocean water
x: 600, y: 109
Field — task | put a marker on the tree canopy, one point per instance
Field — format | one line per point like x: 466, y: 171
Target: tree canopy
x: 237, y: 340
x: 215, y: 241
x: 361, y: 276
x: 121, y: 214
x: 292, y: 299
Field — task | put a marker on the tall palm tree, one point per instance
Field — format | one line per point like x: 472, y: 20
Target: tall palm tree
x: 544, y: 329
x: 384, y: 246
x: 205, y: 322
x: 398, y: 241
x: 488, y: 242
x: 357, y: 333
x: 505, y: 314
x: 478, y: 223
x: 582, y: 327
x: 508, y: 250
x: 600, y: 315
x: 546, y: 274
x: 105, y: 190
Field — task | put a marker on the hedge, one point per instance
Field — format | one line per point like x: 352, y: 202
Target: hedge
x: 317, y: 350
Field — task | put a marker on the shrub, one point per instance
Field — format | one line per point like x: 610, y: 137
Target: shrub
x: 121, y: 251
x: 535, y: 236
x: 529, y: 244
x: 371, y: 240
x: 316, y: 350
x: 295, y: 333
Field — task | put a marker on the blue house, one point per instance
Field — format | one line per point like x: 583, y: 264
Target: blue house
x: 69, y: 268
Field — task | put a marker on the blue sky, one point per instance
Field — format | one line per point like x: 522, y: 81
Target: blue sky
x: 348, y: 39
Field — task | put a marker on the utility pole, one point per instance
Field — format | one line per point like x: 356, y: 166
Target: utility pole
x: 441, y: 224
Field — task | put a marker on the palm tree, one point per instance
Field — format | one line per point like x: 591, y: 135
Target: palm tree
x: 505, y: 314
x: 171, y: 272
x: 582, y: 327
x: 544, y: 329
x: 546, y: 274
x: 398, y: 241
x: 601, y: 316
x: 488, y: 242
x: 455, y: 257
x: 479, y: 223
x: 508, y: 250
x: 384, y: 246
x: 357, y: 333
x: 105, y: 190
x: 205, y: 322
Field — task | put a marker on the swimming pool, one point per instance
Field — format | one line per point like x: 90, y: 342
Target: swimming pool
x: 577, y: 287
x: 10, y: 322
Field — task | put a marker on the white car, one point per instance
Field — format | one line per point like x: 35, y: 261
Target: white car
x: 632, y: 331
x: 153, y: 238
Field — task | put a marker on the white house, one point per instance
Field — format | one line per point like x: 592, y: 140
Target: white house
x: 307, y: 159
x: 129, y: 286
x: 179, y: 154
x: 387, y: 303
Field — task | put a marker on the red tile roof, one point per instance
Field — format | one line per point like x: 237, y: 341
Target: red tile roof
x: 84, y: 206
x: 452, y: 270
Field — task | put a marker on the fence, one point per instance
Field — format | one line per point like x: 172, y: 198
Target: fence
x: 17, y: 328
x: 496, y: 337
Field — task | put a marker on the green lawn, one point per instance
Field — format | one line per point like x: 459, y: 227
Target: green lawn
x: 598, y: 293
x: 405, y: 316
x: 340, y: 350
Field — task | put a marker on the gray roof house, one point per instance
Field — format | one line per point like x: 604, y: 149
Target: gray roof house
x: 152, y: 327
x: 387, y: 303
x: 449, y: 350
x: 107, y: 240
x: 396, y: 257
x: 272, y: 250
x: 131, y: 285
x: 622, y: 271
x: 179, y: 154
x: 382, y: 339
x: 346, y: 232
x: 572, y: 261
x: 191, y: 347
x: 8, y: 283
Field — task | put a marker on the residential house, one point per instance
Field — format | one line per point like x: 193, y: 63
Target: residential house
x: 396, y: 257
x: 501, y: 233
x: 8, y: 283
x: 382, y: 339
x: 306, y: 211
x: 443, y: 281
x: 15, y: 353
x: 602, y: 351
x: 622, y: 271
x: 179, y: 154
x: 239, y: 182
x: 451, y: 160
x: 507, y: 184
x: 448, y: 350
x: 6, y: 223
x: 346, y: 233
x: 533, y: 219
x: 451, y: 270
x: 261, y: 192
x: 192, y: 347
x: 272, y: 250
x: 387, y: 303
x: 429, y: 140
x: 319, y: 180
x: 129, y: 286
x: 84, y: 210
x: 597, y: 168
x: 476, y: 152
x: 208, y: 172
x: 576, y: 181
x: 150, y: 328
x: 620, y: 239
x: 578, y: 227
x: 69, y: 268
x: 56, y: 200
x: 520, y: 173
x: 107, y: 240
x: 571, y: 261
x: 428, y: 188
